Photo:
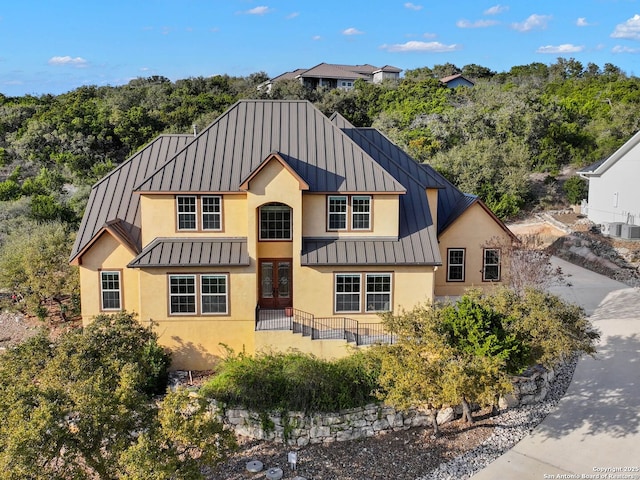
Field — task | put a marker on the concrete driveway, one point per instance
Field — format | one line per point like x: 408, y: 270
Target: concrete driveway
x: 595, y: 430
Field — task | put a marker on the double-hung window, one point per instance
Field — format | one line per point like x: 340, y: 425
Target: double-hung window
x: 360, y: 212
x: 211, y: 213
x: 378, y: 293
x: 491, y: 265
x: 349, y: 212
x: 206, y: 294
x: 347, y: 292
x: 182, y: 294
x: 110, y: 290
x: 455, y: 265
x: 337, y: 213
x: 187, y: 212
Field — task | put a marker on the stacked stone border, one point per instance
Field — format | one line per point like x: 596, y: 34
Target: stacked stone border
x: 298, y: 429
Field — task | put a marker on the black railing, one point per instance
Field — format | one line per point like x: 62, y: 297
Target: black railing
x: 322, y: 328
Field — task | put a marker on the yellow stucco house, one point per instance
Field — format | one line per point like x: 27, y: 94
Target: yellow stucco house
x: 275, y: 228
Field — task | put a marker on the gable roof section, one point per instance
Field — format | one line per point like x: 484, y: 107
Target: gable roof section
x: 226, y: 153
x: 193, y: 252
x: 276, y: 158
x: 112, y: 203
x: 598, y: 168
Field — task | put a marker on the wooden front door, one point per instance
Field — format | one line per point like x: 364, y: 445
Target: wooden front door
x: 275, y: 283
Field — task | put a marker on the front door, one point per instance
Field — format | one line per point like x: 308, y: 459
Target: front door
x: 275, y: 283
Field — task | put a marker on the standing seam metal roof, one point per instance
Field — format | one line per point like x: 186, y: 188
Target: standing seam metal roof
x: 193, y: 252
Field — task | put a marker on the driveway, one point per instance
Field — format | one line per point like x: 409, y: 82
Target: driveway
x: 595, y: 430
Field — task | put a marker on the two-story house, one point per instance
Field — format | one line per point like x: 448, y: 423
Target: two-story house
x: 276, y: 211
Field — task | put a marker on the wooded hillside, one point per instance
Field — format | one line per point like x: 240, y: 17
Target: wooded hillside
x: 493, y: 139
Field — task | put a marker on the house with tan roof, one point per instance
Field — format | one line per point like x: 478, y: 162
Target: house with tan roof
x: 333, y: 76
x: 276, y: 228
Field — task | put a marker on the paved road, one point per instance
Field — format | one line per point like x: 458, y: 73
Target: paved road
x: 597, y: 423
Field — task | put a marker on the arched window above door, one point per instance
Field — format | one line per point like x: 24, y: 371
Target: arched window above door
x: 275, y: 222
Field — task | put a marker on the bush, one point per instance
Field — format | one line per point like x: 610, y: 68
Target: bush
x: 294, y: 382
x: 576, y: 189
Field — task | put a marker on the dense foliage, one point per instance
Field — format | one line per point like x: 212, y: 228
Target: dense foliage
x: 294, y: 382
x: 81, y: 407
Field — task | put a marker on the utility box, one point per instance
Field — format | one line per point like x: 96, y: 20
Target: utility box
x: 630, y: 231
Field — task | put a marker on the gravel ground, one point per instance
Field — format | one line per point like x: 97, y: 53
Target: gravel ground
x: 459, y: 451
x: 15, y: 328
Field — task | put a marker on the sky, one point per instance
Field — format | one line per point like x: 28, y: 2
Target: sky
x: 54, y: 46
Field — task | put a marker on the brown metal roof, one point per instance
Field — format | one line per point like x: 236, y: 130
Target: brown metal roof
x: 112, y: 198
x: 328, y: 70
x: 233, y: 146
x: 193, y: 252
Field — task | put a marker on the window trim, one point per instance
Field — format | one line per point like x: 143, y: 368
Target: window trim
x: 336, y: 293
x: 194, y: 213
x: 275, y: 204
x: 485, y: 264
x: 367, y: 293
x: 463, y: 264
x: 198, y: 294
x: 119, y: 290
x: 218, y: 213
x: 349, y: 213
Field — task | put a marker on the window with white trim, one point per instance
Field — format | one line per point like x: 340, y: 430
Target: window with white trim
x: 361, y: 212
x: 182, y: 294
x: 455, y: 264
x: 187, y: 212
x: 347, y: 292
x: 211, y: 213
x: 337, y: 208
x: 110, y: 290
x: 213, y: 291
x: 378, y: 292
x: 275, y: 222
x: 491, y: 265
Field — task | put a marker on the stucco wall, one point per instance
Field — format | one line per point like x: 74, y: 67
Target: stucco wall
x: 474, y: 230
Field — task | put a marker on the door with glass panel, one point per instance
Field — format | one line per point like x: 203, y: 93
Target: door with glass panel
x: 275, y: 283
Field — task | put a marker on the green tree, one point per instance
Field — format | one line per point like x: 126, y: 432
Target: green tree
x: 576, y: 189
x: 34, y: 264
x: 80, y: 407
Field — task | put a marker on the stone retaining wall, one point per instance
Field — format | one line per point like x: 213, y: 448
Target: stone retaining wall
x: 297, y: 429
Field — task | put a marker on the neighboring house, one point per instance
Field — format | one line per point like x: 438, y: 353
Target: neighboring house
x: 336, y: 76
x: 457, y: 80
x: 277, y: 213
x: 614, y: 196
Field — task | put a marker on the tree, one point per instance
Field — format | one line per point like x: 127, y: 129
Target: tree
x: 576, y: 189
x: 80, y: 406
x: 34, y: 265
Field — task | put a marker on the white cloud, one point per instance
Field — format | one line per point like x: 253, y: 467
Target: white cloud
x: 316, y: 37
x: 621, y: 49
x: 561, y: 49
x: 582, y: 22
x: 429, y: 35
x: 262, y: 10
x: 476, y: 24
x: 534, y: 21
x: 629, y: 29
x: 496, y: 9
x: 415, y: 46
x: 352, y: 31
x: 67, y: 60
x: 412, y: 6
x: 293, y: 15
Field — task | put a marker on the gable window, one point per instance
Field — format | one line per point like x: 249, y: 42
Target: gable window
x: 213, y: 290
x: 347, y: 292
x: 337, y: 213
x: 378, y: 293
x: 186, y: 212
x: 110, y: 290
x: 211, y: 213
x: 182, y: 294
x: 491, y: 265
x: 455, y: 265
x: 275, y: 222
x: 360, y: 212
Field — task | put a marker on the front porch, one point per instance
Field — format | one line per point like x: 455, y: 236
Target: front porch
x: 322, y: 328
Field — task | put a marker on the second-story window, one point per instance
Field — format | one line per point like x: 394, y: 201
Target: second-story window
x: 348, y: 212
x: 211, y: 213
x: 361, y: 212
x: 187, y: 212
x: 337, y: 213
x: 275, y: 222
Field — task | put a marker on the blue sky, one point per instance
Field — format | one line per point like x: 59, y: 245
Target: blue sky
x: 49, y: 46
